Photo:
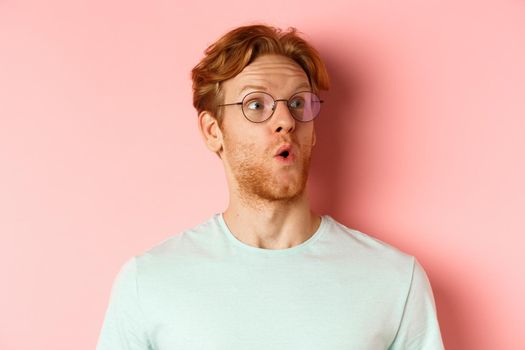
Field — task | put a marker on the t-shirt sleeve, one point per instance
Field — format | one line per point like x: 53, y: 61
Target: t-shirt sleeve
x: 419, y: 327
x: 123, y: 327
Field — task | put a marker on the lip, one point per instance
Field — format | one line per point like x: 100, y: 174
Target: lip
x: 291, y: 154
x: 282, y: 148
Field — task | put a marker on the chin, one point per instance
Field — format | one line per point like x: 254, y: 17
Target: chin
x: 276, y: 192
x: 261, y: 182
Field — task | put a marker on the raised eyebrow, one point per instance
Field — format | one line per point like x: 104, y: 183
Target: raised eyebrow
x: 302, y: 87
x: 252, y: 87
x: 299, y: 88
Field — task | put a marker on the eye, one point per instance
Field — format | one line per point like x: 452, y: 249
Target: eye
x: 254, y: 104
x: 297, y: 102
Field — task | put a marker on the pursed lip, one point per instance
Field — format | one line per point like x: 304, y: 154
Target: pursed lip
x: 290, y: 158
x: 284, y: 147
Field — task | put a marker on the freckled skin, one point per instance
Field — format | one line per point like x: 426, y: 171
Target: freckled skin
x: 249, y: 148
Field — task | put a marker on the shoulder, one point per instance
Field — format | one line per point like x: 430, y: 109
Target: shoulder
x: 182, y: 247
x: 367, y: 251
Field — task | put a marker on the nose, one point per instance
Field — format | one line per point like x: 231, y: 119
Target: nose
x: 282, y: 119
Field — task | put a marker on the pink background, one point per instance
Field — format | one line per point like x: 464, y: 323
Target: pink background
x: 421, y: 144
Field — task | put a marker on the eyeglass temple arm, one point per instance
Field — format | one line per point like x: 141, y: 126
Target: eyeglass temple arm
x: 230, y: 104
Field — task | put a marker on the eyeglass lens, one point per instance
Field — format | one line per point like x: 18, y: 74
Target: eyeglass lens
x: 259, y: 106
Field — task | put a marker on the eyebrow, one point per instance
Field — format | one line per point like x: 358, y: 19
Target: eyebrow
x: 264, y: 88
x: 252, y: 87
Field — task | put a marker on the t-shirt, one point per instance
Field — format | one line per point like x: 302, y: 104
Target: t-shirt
x: 205, y: 289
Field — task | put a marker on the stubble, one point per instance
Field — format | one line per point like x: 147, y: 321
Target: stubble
x: 259, y: 180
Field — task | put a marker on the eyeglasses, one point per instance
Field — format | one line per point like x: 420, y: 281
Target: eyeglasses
x: 259, y: 106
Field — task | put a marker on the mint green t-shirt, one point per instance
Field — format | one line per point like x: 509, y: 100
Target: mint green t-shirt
x: 205, y: 289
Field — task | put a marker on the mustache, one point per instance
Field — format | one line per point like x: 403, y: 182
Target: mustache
x: 292, y: 141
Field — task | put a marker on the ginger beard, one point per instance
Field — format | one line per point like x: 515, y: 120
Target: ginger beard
x: 258, y: 175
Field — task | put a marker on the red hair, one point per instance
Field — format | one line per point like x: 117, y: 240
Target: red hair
x: 228, y: 56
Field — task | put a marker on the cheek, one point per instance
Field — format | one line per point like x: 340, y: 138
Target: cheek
x: 240, y: 148
x: 306, y: 136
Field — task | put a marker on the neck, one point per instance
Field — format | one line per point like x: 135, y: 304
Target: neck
x: 271, y: 224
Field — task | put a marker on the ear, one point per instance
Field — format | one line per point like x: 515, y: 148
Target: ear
x: 211, y: 133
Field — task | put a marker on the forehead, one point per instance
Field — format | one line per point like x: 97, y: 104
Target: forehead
x: 272, y: 73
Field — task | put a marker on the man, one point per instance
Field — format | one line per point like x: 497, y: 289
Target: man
x: 268, y: 273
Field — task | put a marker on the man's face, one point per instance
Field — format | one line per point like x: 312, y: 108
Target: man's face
x: 251, y: 151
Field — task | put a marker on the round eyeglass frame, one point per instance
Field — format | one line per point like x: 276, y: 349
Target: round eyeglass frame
x: 241, y: 103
